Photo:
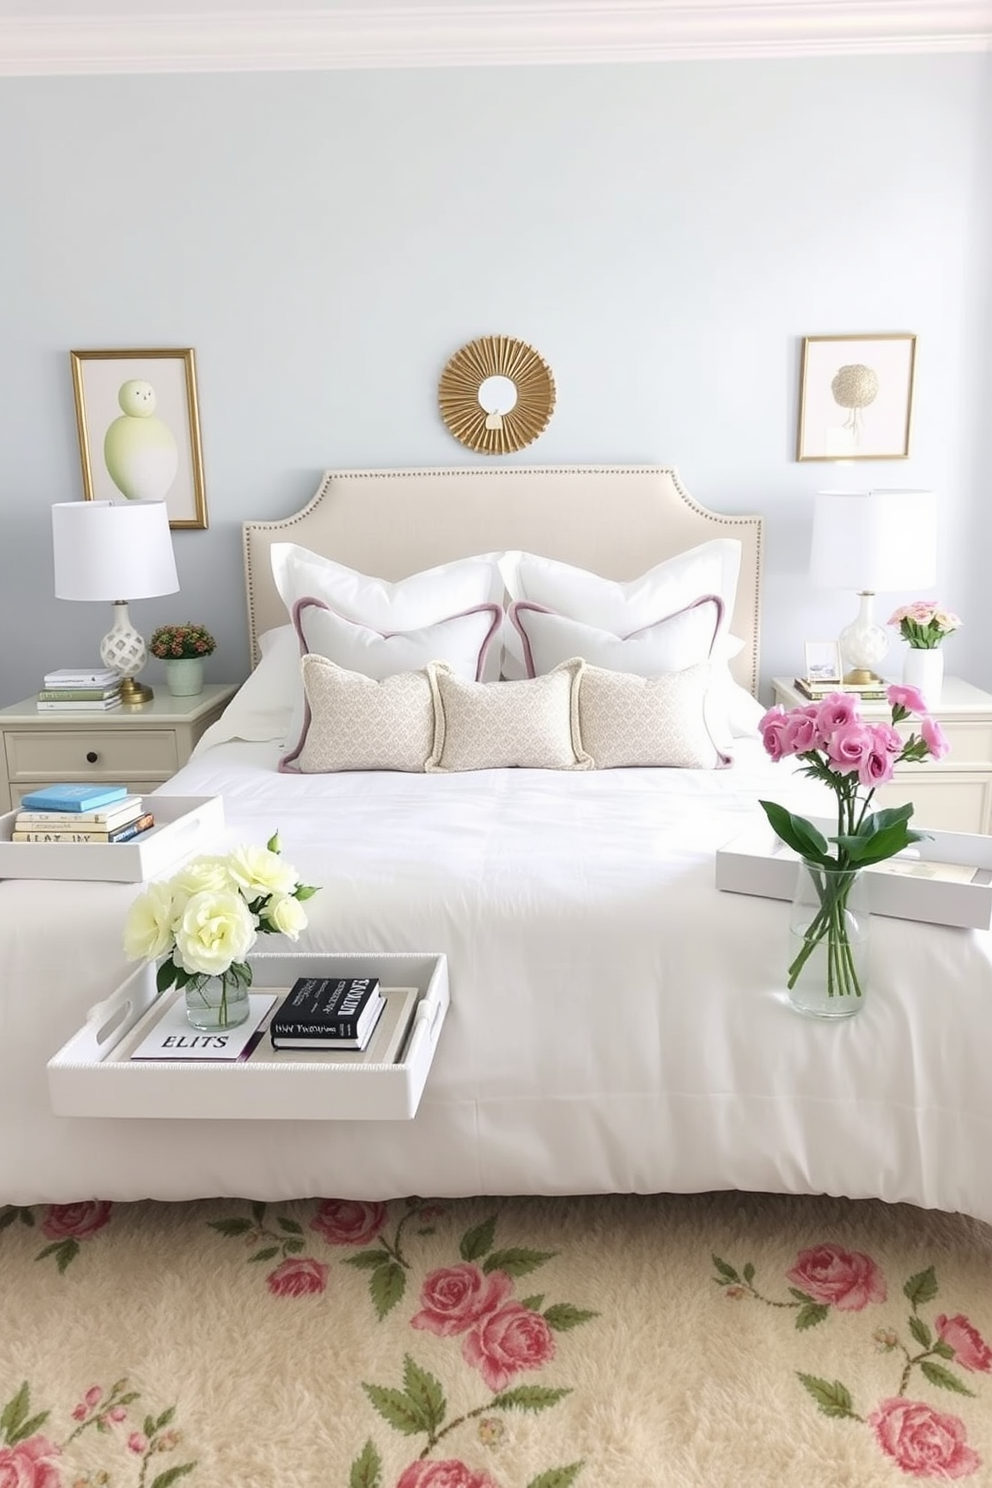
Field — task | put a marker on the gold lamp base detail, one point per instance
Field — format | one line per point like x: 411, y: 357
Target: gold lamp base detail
x: 134, y: 693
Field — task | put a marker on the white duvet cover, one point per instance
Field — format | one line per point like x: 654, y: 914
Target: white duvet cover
x: 617, y: 1024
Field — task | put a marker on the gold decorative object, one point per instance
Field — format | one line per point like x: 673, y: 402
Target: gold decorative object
x: 496, y: 395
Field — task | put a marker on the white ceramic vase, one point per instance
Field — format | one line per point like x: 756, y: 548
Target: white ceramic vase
x: 924, y: 669
x: 184, y: 676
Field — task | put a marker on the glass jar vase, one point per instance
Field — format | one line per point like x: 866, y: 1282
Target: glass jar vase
x: 829, y: 934
x: 216, y: 1002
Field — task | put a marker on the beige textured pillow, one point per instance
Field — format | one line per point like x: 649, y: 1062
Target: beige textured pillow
x: 630, y: 720
x: 532, y: 724
x: 356, y: 723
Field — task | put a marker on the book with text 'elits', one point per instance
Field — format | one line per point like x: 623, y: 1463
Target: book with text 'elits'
x: 338, y: 1011
x: 72, y: 797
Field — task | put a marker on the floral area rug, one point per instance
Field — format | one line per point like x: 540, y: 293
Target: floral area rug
x: 707, y: 1341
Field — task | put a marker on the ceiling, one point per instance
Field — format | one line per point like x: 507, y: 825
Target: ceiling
x: 39, y: 37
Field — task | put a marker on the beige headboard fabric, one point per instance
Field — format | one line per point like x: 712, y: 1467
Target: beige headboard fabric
x: 615, y: 520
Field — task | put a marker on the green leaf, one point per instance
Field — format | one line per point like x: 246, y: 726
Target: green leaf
x: 938, y: 1375
x: 833, y: 1399
x: 15, y: 1411
x: 748, y: 1273
x: 274, y: 845
x: 800, y: 1296
x: 8, y: 1215
x: 266, y: 1254
x: 369, y: 1260
x: 557, y: 1477
x: 921, y: 1288
x: 386, y: 1287
x: 66, y: 1252
x: 476, y: 1242
x: 943, y: 1349
x: 27, y: 1218
x: 29, y: 1427
x: 258, y: 1212
x: 167, y: 974
x: 230, y: 1227
x: 563, y: 1316
x: 529, y: 1398
x: 366, y: 1470
x: 172, y: 1475
x: 863, y: 851
x: 426, y: 1392
x: 165, y: 1419
x: 727, y: 1272
x: 533, y: 1303
x: 291, y: 1226
x: 890, y: 816
x: 810, y: 1314
x: 398, y: 1408
x: 921, y: 1332
x: 148, y: 1426
x: 796, y: 832
x: 517, y: 1262
x: 293, y: 1247
x: 306, y: 891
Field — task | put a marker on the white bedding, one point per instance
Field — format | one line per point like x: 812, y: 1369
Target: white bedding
x: 616, y: 1023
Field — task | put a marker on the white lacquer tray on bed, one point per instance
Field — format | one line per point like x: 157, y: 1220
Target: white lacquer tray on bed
x: 93, y: 1074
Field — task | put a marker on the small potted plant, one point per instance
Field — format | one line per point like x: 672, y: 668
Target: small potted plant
x: 182, y: 648
x: 924, y: 624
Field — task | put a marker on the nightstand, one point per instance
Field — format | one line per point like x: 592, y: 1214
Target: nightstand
x: 953, y: 794
x: 139, y: 747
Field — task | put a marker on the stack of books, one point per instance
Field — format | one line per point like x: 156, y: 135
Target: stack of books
x: 328, y: 1013
x: 78, y: 690
x: 868, y: 692
x: 80, y: 813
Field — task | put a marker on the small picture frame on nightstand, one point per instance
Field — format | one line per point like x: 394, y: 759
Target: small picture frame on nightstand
x: 822, y: 661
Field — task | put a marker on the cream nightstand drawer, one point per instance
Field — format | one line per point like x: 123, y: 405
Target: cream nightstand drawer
x: 102, y: 754
x: 946, y: 801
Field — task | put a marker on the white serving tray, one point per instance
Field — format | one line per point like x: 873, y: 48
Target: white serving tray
x: 183, y: 825
x: 758, y: 862
x: 92, y: 1074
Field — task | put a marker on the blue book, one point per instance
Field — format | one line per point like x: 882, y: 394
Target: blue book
x: 72, y: 797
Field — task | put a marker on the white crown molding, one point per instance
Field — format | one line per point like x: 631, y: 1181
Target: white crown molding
x: 470, y: 33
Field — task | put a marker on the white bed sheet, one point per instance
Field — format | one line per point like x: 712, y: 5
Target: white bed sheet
x: 617, y: 1024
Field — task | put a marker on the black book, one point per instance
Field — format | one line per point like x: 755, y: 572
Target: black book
x: 327, y: 1013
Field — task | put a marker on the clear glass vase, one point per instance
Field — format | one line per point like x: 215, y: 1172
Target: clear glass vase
x: 216, y: 1002
x: 829, y: 933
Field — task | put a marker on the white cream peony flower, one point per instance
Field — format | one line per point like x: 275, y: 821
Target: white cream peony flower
x: 148, y: 927
x: 286, y: 915
x: 259, y: 872
x: 200, y: 875
x: 216, y: 929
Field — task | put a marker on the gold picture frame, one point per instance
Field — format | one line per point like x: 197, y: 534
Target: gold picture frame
x: 139, y: 429
x: 496, y: 395
x: 856, y: 397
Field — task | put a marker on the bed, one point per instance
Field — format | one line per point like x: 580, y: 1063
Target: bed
x: 616, y: 1024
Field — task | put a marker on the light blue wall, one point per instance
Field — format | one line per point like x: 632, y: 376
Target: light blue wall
x: 664, y: 235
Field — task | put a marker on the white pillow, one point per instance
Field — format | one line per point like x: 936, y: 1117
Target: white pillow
x: 408, y: 604
x: 667, y: 645
x: 355, y: 723
x: 262, y: 708
x: 621, y: 607
x: 627, y: 720
x: 531, y: 725
x: 461, y: 640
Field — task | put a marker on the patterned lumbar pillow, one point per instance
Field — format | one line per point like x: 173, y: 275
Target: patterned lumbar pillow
x: 533, y: 724
x: 630, y: 720
x: 356, y: 723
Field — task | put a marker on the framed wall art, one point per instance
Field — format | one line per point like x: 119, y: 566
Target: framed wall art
x: 822, y: 661
x: 139, y: 429
x: 856, y: 397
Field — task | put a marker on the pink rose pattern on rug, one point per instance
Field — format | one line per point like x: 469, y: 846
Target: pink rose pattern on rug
x: 922, y: 1441
x: 33, y: 1454
x: 64, y: 1225
x: 472, y: 1303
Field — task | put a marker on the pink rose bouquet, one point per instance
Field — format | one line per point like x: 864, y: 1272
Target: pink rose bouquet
x: 924, y: 623
x: 853, y: 758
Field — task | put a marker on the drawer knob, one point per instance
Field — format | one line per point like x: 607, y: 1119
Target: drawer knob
x: 91, y: 756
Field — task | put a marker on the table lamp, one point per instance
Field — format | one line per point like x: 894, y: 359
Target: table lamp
x: 870, y: 541
x: 104, y: 549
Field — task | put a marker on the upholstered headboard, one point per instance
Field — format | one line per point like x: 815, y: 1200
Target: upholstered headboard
x: 616, y: 520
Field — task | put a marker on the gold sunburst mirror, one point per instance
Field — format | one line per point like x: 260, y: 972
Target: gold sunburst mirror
x: 496, y: 395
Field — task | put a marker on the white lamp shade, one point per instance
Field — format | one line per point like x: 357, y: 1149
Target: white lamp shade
x: 112, y: 550
x: 874, y: 541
